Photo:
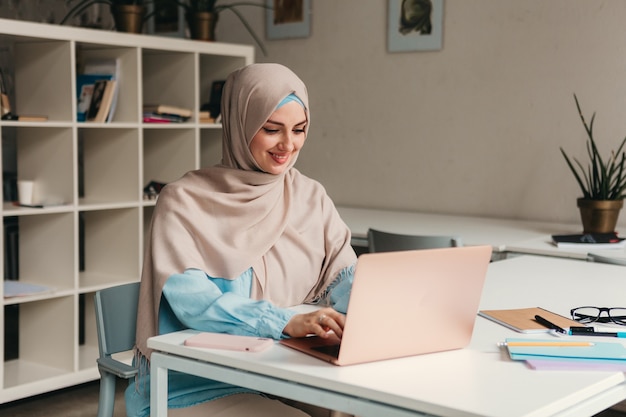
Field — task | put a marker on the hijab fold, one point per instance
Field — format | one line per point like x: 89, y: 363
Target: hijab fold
x: 228, y: 218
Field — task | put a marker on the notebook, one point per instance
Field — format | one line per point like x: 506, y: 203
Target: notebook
x: 523, y: 319
x: 406, y: 303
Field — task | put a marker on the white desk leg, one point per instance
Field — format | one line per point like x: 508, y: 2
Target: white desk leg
x: 158, y: 386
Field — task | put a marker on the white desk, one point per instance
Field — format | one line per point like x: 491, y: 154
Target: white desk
x: 477, y: 381
x: 473, y: 230
x: 543, y: 246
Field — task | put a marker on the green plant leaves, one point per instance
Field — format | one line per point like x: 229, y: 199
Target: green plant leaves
x: 600, y: 179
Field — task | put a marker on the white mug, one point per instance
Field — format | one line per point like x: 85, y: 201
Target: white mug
x: 25, y: 192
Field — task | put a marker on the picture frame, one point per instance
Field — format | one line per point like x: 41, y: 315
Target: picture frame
x: 288, y: 19
x: 415, y: 25
x: 169, y: 21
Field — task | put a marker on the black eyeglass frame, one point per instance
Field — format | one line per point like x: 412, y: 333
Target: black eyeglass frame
x: 583, y: 318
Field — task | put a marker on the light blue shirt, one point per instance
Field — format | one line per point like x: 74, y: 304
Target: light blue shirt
x: 195, y: 300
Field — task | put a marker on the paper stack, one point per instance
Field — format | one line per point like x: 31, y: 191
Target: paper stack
x: 562, y: 354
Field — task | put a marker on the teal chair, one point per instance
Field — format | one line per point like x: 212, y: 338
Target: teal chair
x: 116, y: 314
x: 379, y: 241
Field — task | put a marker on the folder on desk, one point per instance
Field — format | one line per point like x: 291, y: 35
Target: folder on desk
x: 596, y: 351
x: 572, y: 364
x: 523, y: 319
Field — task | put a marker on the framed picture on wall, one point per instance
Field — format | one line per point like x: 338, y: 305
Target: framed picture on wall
x: 286, y: 19
x: 166, y: 19
x: 414, y: 25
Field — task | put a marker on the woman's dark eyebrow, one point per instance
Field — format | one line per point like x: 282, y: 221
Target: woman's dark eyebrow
x: 282, y: 124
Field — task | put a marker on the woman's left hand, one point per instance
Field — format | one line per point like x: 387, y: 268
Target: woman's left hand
x: 318, y: 322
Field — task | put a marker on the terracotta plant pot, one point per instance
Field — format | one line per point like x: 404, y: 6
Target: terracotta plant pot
x: 202, y: 25
x: 599, y: 216
x: 128, y: 18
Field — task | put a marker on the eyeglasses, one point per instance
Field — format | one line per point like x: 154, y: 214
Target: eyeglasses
x: 589, y: 314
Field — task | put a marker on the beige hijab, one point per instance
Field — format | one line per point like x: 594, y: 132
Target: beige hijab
x: 228, y: 218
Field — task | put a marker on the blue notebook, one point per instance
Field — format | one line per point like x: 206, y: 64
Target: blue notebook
x: 598, y: 350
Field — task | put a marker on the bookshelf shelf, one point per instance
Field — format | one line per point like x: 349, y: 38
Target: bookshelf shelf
x: 91, y: 231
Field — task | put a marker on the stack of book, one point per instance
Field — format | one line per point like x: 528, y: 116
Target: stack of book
x: 164, y: 113
x: 97, y: 90
x: 587, y: 241
x: 101, y: 101
x: 568, y: 354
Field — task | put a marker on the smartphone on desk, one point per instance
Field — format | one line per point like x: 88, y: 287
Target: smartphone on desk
x: 229, y: 342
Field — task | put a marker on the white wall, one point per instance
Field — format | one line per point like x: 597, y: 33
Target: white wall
x: 474, y: 128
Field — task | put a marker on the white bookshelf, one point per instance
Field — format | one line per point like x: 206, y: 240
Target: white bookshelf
x: 57, y: 337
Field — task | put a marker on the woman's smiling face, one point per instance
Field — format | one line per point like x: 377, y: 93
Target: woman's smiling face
x: 280, y: 138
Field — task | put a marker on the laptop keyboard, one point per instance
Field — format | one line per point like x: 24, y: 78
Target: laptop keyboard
x: 332, y: 350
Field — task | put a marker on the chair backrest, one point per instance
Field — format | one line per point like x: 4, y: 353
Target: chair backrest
x: 116, y: 313
x: 379, y: 241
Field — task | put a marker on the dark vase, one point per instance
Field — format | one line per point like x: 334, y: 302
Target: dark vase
x: 599, y: 216
x: 202, y: 25
x: 128, y: 18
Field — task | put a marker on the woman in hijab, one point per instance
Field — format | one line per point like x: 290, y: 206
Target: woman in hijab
x: 233, y: 246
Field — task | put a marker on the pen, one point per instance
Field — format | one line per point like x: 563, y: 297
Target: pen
x: 546, y: 344
x: 590, y: 331
x: 549, y: 324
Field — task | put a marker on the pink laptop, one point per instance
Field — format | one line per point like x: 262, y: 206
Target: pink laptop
x: 406, y: 303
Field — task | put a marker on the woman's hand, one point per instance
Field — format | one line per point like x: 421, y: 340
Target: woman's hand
x: 318, y: 322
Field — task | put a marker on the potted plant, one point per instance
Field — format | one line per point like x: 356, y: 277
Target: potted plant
x: 602, y: 182
x: 128, y: 15
x: 202, y: 17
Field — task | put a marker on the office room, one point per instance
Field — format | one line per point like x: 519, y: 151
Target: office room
x: 471, y: 128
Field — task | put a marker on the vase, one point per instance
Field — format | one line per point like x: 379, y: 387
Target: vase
x: 599, y: 216
x: 202, y: 25
x: 128, y: 18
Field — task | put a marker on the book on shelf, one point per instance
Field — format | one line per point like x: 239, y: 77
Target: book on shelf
x: 215, y: 99
x: 589, y: 241
x: 94, y: 70
x: 101, y: 101
x: 110, y: 68
x: 84, y: 88
x: 22, y: 289
x: 168, y: 110
x: 205, y: 117
x: 11, y: 248
x: 32, y: 118
x: 163, y: 118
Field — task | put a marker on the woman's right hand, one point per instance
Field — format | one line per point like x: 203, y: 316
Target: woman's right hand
x: 319, y: 322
